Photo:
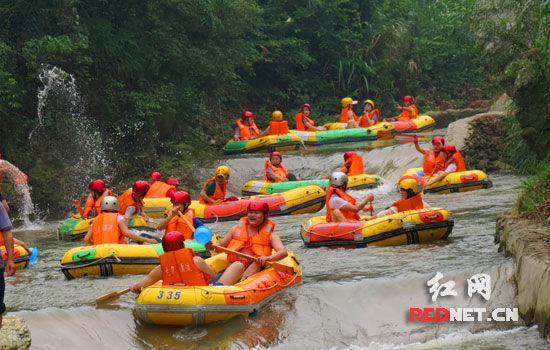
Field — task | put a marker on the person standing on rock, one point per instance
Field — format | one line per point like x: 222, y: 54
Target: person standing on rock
x: 9, y: 269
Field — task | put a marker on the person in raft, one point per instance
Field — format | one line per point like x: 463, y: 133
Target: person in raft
x: 246, y: 127
x: 109, y: 227
x: 7, y: 267
x: 341, y: 206
x: 370, y: 116
x: 453, y: 163
x: 92, y: 207
x: 347, y: 115
x: 274, y: 170
x: 214, y: 190
x: 304, y: 122
x: 433, y: 157
x: 131, y: 201
x: 159, y: 188
x: 408, y: 111
x: 175, y: 266
x: 411, y: 199
x: 353, y: 164
x: 175, y: 222
x: 277, y: 126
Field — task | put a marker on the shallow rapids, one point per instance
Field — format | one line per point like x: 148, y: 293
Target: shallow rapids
x: 349, y: 299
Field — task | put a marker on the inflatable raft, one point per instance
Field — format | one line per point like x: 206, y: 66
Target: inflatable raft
x: 409, y: 227
x: 76, y: 228
x: 198, y: 305
x: 267, y: 143
x: 118, y: 259
x: 356, y: 182
x: 157, y: 207
x: 419, y: 124
x: 307, y: 199
x: 20, y: 256
x: 461, y: 181
x: 318, y: 138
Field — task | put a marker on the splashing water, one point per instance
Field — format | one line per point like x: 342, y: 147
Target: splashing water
x: 22, y: 188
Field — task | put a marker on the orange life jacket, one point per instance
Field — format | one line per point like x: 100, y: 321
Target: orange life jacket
x: 348, y: 214
x: 178, y: 268
x: 126, y: 200
x: 219, y: 192
x: 259, y: 243
x: 300, y: 126
x: 407, y: 115
x: 178, y: 224
x: 412, y: 203
x: 105, y: 229
x: 344, y: 114
x: 159, y: 189
x: 92, y: 208
x: 356, y: 165
x: 278, y: 127
x: 363, y: 121
x: 279, y: 170
x: 430, y: 162
x: 247, y: 131
x: 459, y: 161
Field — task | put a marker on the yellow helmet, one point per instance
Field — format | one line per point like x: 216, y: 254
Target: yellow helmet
x: 346, y: 101
x: 409, y: 184
x: 277, y: 115
x: 371, y: 102
x: 222, y: 169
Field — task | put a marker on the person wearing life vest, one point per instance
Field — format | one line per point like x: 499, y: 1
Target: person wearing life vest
x: 277, y: 126
x: 109, y: 227
x: 131, y: 201
x: 153, y: 177
x: 341, y: 206
x: 453, y: 163
x: 161, y: 189
x: 246, y: 128
x: 274, y: 170
x: 411, y: 199
x: 370, y: 116
x: 178, y: 266
x: 433, y: 157
x: 174, y: 222
x: 92, y: 207
x: 347, y: 115
x: 253, y: 235
x: 408, y: 111
x: 304, y: 122
x: 353, y: 164
x: 214, y: 190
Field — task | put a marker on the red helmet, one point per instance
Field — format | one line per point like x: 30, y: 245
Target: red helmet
x: 450, y: 149
x: 258, y: 205
x: 438, y: 139
x: 97, y: 185
x: 407, y: 98
x: 172, y: 240
x: 156, y: 175
x: 247, y: 114
x: 181, y: 197
x: 140, y: 187
x: 306, y: 105
x: 275, y: 153
x: 348, y: 155
x: 172, y: 182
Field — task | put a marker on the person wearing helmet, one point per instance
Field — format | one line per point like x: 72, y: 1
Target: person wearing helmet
x: 370, y: 116
x: 109, y: 227
x: 161, y: 189
x: 93, y: 203
x: 347, y: 115
x: 340, y: 205
x: 214, y: 190
x: 408, y: 110
x: 277, y: 126
x: 274, y: 170
x: 453, y: 162
x: 196, y: 271
x: 131, y: 201
x: 433, y: 157
x: 246, y: 127
x: 304, y: 122
x: 153, y: 177
x: 253, y: 235
x: 175, y: 222
x: 353, y: 164
x: 411, y: 199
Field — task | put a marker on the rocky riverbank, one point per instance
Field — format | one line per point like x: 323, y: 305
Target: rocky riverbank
x: 14, y: 334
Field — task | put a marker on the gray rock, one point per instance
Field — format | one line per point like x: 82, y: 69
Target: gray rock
x: 14, y: 334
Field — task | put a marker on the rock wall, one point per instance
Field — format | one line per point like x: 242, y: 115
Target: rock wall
x: 14, y: 334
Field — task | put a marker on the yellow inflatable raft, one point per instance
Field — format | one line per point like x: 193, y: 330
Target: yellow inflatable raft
x: 307, y: 199
x: 157, y: 207
x: 20, y: 256
x: 419, y: 124
x: 197, y: 305
x: 460, y: 181
x: 267, y: 143
x: 408, y: 227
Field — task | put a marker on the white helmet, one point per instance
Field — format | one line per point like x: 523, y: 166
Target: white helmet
x: 338, y: 178
x: 109, y: 203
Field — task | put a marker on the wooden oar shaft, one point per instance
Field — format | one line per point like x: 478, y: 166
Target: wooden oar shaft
x: 111, y: 296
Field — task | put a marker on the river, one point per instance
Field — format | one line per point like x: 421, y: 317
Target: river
x: 349, y: 299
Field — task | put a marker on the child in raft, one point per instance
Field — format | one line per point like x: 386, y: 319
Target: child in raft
x: 340, y: 205
x: 411, y: 199
x: 453, y: 162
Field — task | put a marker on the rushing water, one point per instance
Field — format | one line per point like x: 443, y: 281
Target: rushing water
x: 349, y: 299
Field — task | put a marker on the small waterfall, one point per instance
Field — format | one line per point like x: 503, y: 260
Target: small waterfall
x: 20, y: 183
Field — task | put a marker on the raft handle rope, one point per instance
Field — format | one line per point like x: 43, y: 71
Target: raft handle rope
x: 253, y: 289
x: 98, y: 261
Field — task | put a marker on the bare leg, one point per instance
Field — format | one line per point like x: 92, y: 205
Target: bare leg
x: 203, y: 266
x: 232, y: 274
x: 337, y: 216
x: 251, y: 269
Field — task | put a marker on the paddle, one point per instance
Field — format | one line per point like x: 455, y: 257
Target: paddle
x: 204, y: 236
x: 111, y: 296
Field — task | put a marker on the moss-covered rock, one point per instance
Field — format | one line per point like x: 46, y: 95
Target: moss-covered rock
x: 14, y: 334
